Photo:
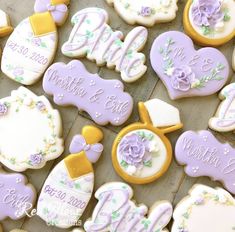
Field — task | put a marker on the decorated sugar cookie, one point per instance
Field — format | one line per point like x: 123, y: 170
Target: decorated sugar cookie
x: 205, y: 209
x: 17, y: 197
x: 141, y: 152
x: 203, y: 155
x: 93, y: 37
x: 69, y: 186
x: 224, y: 119
x: 233, y: 59
x: 30, y: 131
x: 5, y: 25
x: 187, y: 72
x: 116, y: 212
x: 104, y: 100
x: 210, y: 22
x: 31, y: 47
x: 145, y: 12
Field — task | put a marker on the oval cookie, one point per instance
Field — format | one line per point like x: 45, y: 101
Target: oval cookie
x: 30, y: 131
x: 210, y: 22
x: 141, y: 152
x: 145, y: 12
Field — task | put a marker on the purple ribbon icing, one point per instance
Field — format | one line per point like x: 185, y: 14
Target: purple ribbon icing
x: 93, y: 151
x: 104, y: 100
x: 16, y: 197
x: 204, y: 155
x: 185, y: 71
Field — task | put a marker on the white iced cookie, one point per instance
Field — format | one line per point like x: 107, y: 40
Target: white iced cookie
x: 224, y: 119
x: 205, y: 209
x: 234, y: 59
x: 93, y: 37
x: 145, y: 12
x: 31, y: 47
x: 30, y: 131
x: 5, y: 26
x: 116, y: 212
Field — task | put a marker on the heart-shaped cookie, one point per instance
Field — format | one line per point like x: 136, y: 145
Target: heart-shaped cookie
x: 187, y: 72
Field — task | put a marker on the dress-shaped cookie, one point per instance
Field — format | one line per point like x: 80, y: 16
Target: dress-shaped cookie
x: 141, y: 152
x: 210, y: 22
x: 69, y: 186
x: 31, y: 47
x: 145, y: 12
x: 5, y: 26
x: 30, y: 131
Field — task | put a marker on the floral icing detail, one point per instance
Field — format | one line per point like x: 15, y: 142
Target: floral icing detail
x: 41, y: 106
x: 3, y: 109
x: 136, y: 150
x: 207, y: 12
x: 145, y: 11
x: 182, y: 78
x: 36, y: 159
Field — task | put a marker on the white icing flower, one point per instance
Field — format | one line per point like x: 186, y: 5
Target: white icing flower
x: 153, y: 147
x: 195, y: 83
x: 169, y: 71
x: 131, y: 170
x: 219, y: 26
x: 28, y: 101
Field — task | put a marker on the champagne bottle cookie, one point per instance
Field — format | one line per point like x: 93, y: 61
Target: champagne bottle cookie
x: 69, y: 187
x: 31, y: 47
x: 141, y: 152
x: 210, y: 22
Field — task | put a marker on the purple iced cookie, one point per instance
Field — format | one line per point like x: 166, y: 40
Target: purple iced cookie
x: 203, y: 155
x: 16, y: 196
x: 104, y: 100
x: 187, y: 72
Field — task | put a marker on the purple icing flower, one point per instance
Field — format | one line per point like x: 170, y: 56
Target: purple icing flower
x: 182, y: 78
x: 40, y: 105
x: 132, y: 150
x: 207, y: 12
x: 18, y: 71
x: 36, y: 41
x: 36, y: 159
x: 3, y: 108
x: 145, y: 11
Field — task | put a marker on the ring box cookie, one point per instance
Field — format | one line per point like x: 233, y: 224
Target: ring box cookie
x: 141, y: 152
x: 210, y: 22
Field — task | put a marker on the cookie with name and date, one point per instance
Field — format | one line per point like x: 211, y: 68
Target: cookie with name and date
x: 117, y: 212
x: 31, y: 47
x: 93, y: 38
x: 30, y: 131
x: 203, y: 155
x: 145, y: 12
x: 5, y: 25
x: 210, y: 22
x: 17, y: 196
x: 205, y: 209
x: 187, y: 72
x: 141, y: 152
x: 224, y: 119
x: 104, y: 100
x: 68, y: 188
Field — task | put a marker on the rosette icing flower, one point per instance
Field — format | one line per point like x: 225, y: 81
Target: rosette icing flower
x: 36, y: 159
x: 145, y: 11
x: 207, y: 12
x: 182, y: 78
x: 133, y: 150
x: 3, y: 109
